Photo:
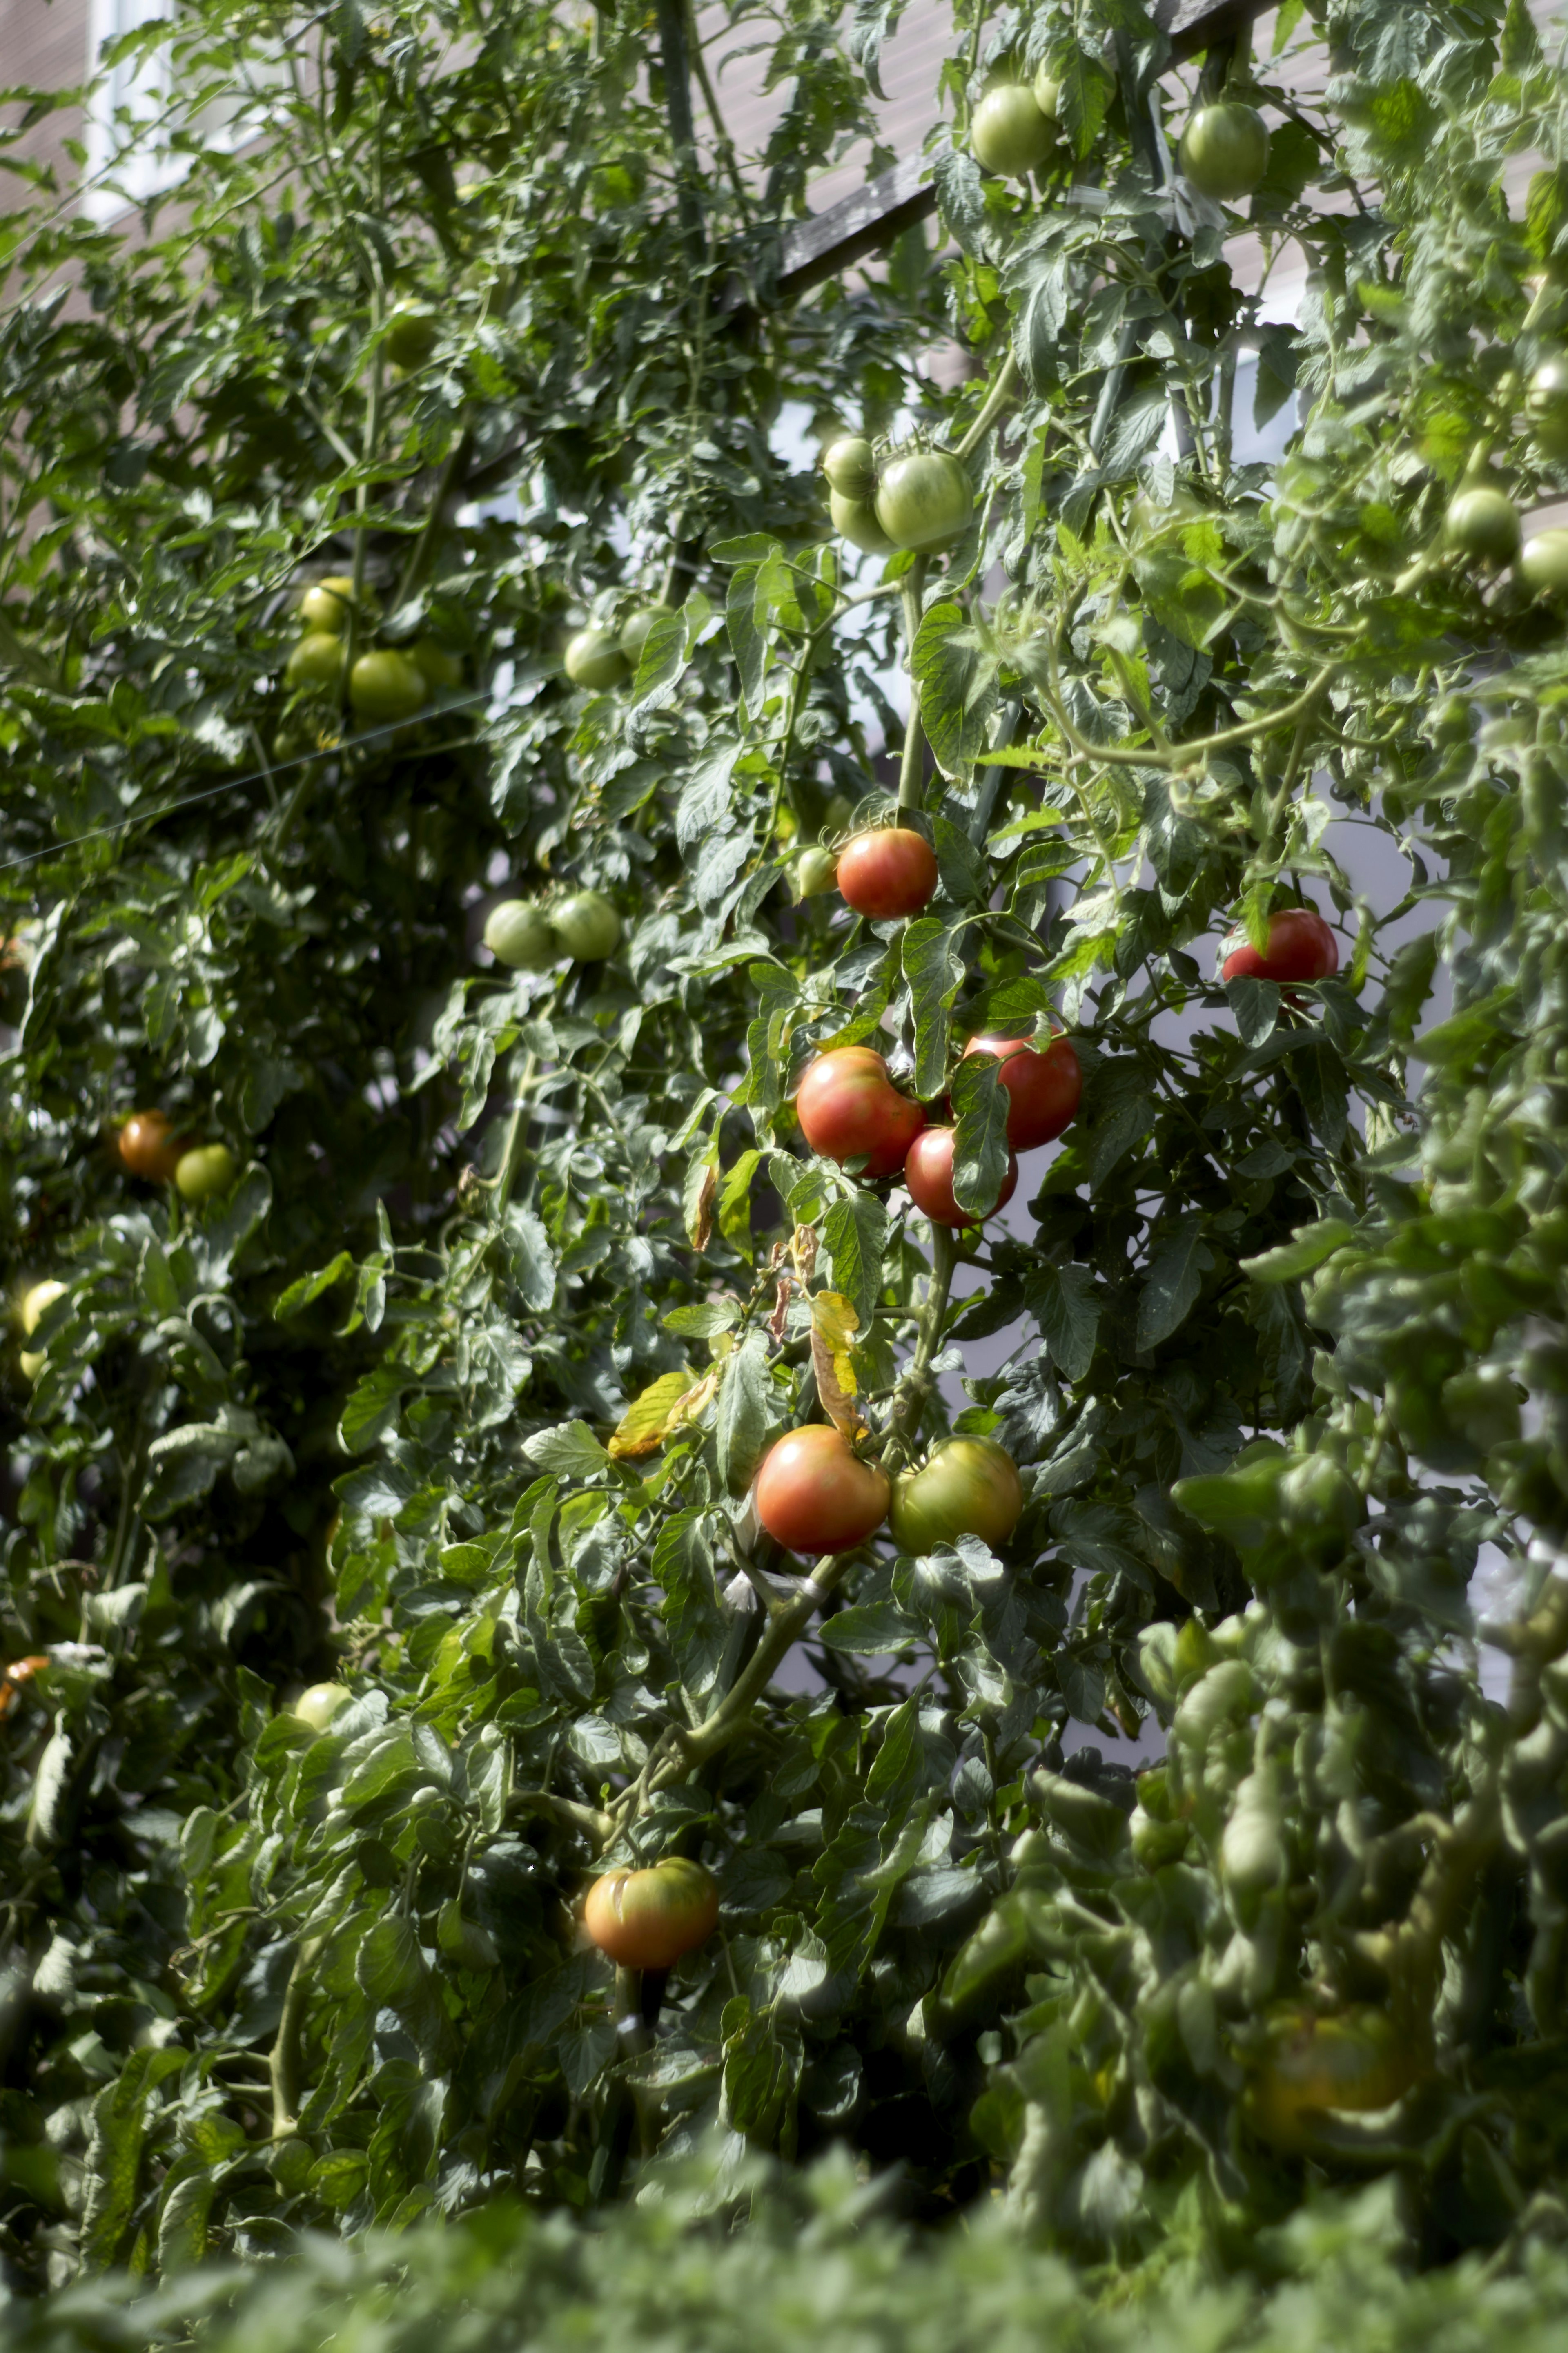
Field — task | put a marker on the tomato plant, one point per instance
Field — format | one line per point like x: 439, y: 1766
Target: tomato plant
x: 814, y: 1493
x: 648, y: 1919
x: 924, y: 499
x: 929, y: 1174
x: 1299, y: 946
x: 889, y: 873
x: 1225, y: 150
x: 1043, y: 1086
x: 968, y: 1487
x: 1010, y: 133
x: 850, y: 1109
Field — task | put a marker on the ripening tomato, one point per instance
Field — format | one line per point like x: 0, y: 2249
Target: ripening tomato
x: 849, y: 1109
x: 1009, y: 134
x: 411, y: 332
x: 856, y: 521
x: 970, y: 1487
x: 594, y: 659
x: 587, y: 926
x: 150, y: 1147
x: 1357, y: 2060
x: 1542, y: 562
x: 850, y: 467
x: 316, y: 1706
x: 647, y: 1919
x: 1045, y: 1086
x: 928, y: 1172
x: 890, y: 871
x: 813, y: 1495
x: 384, y: 685
x: 1225, y: 150
x: 1546, y: 406
x: 316, y: 660
x: 521, y: 936
x: 924, y: 500
x: 1300, y: 947
x: 1483, y: 523
x: 206, y: 1170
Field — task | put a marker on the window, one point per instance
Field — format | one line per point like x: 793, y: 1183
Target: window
x: 124, y: 164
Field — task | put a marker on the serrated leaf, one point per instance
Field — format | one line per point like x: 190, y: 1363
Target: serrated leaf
x: 855, y: 1233
x: 955, y: 669
x: 571, y: 1452
x: 1307, y: 1250
x: 743, y: 1412
x: 935, y: 975
x: 1173, y: 1280
x: 979, y: 1155
x: 833, y: 1323
x: 651, y: 1416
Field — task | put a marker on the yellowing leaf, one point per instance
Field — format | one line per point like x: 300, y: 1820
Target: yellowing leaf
x: 833, y: 1323
x: 649, y: 1418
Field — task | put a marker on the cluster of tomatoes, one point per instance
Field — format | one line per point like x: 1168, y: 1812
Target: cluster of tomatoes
x: 385, y: 683
x: 1224, y: 151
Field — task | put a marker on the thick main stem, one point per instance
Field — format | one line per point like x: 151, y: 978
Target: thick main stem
x: 916, y: 1380
x: 677, y: 63
x: 912, y: 772
x: 283, y: 2065
x: 787, y: 1620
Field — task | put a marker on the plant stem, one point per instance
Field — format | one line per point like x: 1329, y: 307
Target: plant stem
x: 787, y: 1619
x: 283, y: 2065
x: 912, y: 769
x: 671, y: 20
x: 511, y: 1154
x: 996, y: 399
x: 916, y: 1381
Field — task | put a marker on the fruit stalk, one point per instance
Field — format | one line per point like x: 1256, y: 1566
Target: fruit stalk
x: 912, y: 769
x: 996, y: 399
x: 283, y: 2061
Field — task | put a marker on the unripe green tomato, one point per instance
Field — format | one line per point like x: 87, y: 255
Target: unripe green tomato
x: 411, y: 332
x: 1009, y: 134
x: 813, y: 872
x: 385, y: 686
x: 1483, y: 523
x: 856, y: 521
x: 1542, y: 562
x: 1546, y: 406
x: 316, y: 1706
x: 924, y: 500
x: 1047, y: 92
x: 587, y: 926
x: 850, y: 467
x: 594, y: 660
x: 521, y: 936
x: 1149, y: 520
x: 206, y: 1170
x: 326, y: 605
x: 969, y: 1487
x: 1357, y: 2062
x: 435, y: 666
x: 634, y: 631
x: 316, y: 660
x: 1225, y: 150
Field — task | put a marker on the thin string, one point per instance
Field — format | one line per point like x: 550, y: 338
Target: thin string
x: 234, y: 785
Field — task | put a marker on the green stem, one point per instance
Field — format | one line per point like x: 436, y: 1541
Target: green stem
x: 787, y: 1620
x: 912, y: 769
x: 283, y: 2065
x: 511, y: 1150
x: 996, y: 399
x: 913, y: 1386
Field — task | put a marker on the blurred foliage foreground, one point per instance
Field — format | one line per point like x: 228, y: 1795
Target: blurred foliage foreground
x: 443, y: 1371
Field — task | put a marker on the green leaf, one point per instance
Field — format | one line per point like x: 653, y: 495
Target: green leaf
x: 309, y: 1287
x: 935, y: 975
x: 980, y: 1160
x: 1175, y: 1278
x: 742, y: 1419
x: 1308, y: 1247
x: 956, y: 674
x: 855, y: 1232
x: 571, y: 1452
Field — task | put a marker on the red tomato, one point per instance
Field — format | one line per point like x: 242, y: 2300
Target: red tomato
x: 888, y: 872
x: 1300, y: 947
x: 849, y: 1108
x: 150, y: 1148
x: 1045, y: 1087
x: 928, y: 1172
x: 647, y: 1919
x: 813, y: 1495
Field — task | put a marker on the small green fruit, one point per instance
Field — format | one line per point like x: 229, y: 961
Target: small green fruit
x: 1483, y: 524
x: 850, y: 467
x: 634, y: 631
x: 1009, y: 134
x: 316, y: 660
x: 42, y: 1295
x: 594, y: 660
x: 316, y: 1706
x: 410, y: 334
x: 1047, y: 93
x: 587, y: 926
x: 1224, y: 151
x: 326, y: 606
x: 1546, y: 406
x: 813, y: 872
x: 435, y: 666
x: 386, y: 686
x: 1542, y: 562
x: 521, y: 936
x: 856, y: 521
x: 205, y: 1171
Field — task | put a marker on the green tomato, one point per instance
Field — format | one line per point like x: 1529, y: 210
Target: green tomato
x: 1047, y: 92
x: 814, y: 871
x: 326, y: 605
x: 385, y: 685
x: 411, y: 332
x: 316, y: 1706
x: 521, y: 936
x: 594, y: 660
x: 970, y: 1487
x: 1357, y: 2062
x: 1483, y: 524
x: 1009, y: 132
x: 1546, y: 406
x: 924, y: 500
x: 42, y: 1295
x: 856, y: 521
x: 850, y: 467
x: 635, y: 632
x: 435, y: 666
x: 1542, y: 562
x: 1225, y: 150
x: 206, y: 1170
x: 316, y: 660
x: 587, y: 926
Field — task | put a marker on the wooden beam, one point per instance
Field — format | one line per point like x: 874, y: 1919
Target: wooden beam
x: 874, y: 214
